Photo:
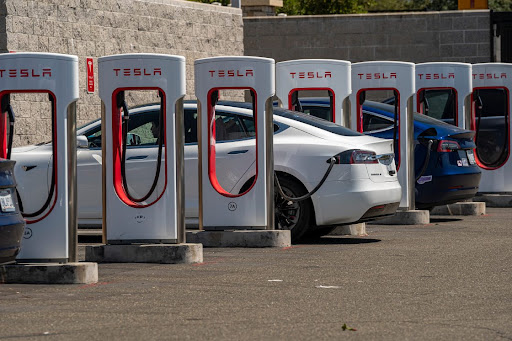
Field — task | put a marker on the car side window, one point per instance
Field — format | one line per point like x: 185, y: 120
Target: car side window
x: 143, y: 129
x: 190, y: 126
x: 94, y: 137
x: 441, y: 104
x: 373, y: 122
x: 228, y: 127
x: 320, y: 112
x: 248, y: 123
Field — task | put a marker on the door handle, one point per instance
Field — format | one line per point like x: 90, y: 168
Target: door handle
x: 238, y: 152
x: 138, y: 157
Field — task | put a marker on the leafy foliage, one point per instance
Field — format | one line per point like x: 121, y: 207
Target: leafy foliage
x: 345, y: 327
x: 223, y: 2
x: 414, y: 5
x: 500, y: 5
x: 313, y: 7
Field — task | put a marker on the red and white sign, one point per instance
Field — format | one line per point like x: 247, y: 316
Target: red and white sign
x: 90, y: 75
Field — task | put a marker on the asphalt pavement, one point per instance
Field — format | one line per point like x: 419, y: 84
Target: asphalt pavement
x: 449, y: 280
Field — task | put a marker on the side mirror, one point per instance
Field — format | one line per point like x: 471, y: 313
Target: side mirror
x: 82, y: 142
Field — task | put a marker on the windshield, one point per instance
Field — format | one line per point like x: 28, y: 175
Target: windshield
x: 85, y: 125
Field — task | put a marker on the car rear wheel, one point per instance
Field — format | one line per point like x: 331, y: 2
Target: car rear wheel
x: 293, y: 216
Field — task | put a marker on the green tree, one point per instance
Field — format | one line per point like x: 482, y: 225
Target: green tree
x: 414, y: 5
x: 223, y: 2
x: 437, y: 5
x: 313, y: 7
x: 500, y: 5
x: 389, y: 5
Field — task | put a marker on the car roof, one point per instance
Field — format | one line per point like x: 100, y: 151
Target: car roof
x: 290, y: 117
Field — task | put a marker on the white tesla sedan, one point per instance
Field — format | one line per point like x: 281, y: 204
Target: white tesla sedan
x: 362, y: 185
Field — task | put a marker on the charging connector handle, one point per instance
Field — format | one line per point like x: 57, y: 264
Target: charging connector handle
x: 425, y: 163
x: 6, y: 107
x: 10, y: 112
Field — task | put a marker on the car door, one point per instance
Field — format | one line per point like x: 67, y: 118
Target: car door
x: 141, y: 155
x: 191, y: 166
x: 89, y: 177
x: 235, y: 153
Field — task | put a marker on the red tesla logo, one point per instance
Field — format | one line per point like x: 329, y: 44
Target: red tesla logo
x: 377, y: 75
x: 128, y: 72
x: 24, y: 73
x: 311, y: 74
x: 436, y: 75
x: 489, y: 75
x: 231, y: 73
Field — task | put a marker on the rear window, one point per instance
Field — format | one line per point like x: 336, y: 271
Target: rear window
x: 301, y: 117
x: 316, y: 122
x: 429, y: 120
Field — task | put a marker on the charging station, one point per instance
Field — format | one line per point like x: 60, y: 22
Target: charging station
x: 143, y: 225
x: 330, y: 75
x: 443, y: 91
x: 490, y: 119
x: 156, y: 216
x: 252, y: 209
x: 397, y: 77
x: 51, y: 231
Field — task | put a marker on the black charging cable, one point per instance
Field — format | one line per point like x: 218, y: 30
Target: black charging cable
x: 425, y: 163
x: 126, y: 118
x: 52, y: 182
x: 307, y: 195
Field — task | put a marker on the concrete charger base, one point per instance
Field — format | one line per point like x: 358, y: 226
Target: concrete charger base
x: 460, y: 208
x: 495, y: 200
x: 409, y: 217
x: 241, y: 238
x: 186, y: 253
x: 358, y: 230
x: 49, y: 273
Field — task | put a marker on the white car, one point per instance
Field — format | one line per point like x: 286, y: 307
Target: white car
x: 362, y: 185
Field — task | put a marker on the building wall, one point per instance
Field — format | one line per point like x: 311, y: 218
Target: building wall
x: 461, y: 36
x: 95, y: 28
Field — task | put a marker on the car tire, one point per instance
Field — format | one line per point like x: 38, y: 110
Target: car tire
x: 293, y: 216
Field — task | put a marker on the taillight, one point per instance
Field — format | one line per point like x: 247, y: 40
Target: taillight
x: 447, y: 146
x: 355, y: 156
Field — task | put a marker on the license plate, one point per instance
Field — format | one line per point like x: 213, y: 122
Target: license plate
x: 6, y: 202
x: 471, y: 157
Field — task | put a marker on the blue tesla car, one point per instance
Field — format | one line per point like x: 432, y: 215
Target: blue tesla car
x: 12, y: 224
x: 445, y: 167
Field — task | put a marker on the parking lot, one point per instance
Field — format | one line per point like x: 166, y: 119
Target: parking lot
x: 448, y: 280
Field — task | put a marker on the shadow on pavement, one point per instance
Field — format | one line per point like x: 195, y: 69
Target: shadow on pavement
x: 337, y: 240
x: 444, y: 220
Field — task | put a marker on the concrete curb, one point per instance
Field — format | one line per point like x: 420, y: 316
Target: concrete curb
x: 411, y: 217
x: 350, y: 230
x: 48, y: 273
x: 241, y: 238
x: 460, y: 208
x: 495, y: 200
x: 145, y: 253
